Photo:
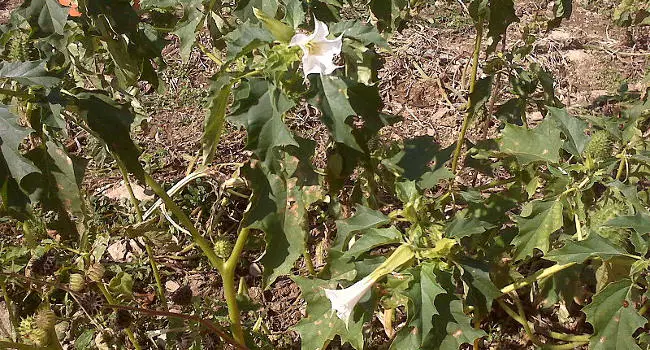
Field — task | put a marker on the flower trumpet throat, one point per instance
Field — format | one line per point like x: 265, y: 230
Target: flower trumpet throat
x: 318, y: 51
x: 344, y: 300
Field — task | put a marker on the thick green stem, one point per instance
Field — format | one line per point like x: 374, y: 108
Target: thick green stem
x: 569, y: 337
x: 10, y: 308
x: 472, y: 86
x: 203, y: 243
x: 621, y: 166
x: 111, y: 300
x: 226, y: 269
x: 537, y: 276
x: 147, y: 245
x: 229, y: 288
x: 524, y: 319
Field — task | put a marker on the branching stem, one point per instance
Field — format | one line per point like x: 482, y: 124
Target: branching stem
x: 537, y: 276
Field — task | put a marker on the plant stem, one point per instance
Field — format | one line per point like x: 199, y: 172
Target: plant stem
x: 537, y: 276
x: 147, y: 246
x: 156, y: 273
x: 10, y: 308
x: 472, y: 86
x: 524, y: 319
x: 621, y: 166
x: 203, y: 243
x: 578, y: 227
x: 229, y: 289
x: 569, y: 337
x: 226, y: 269
x: 111, y: 300
x: 644, y: 309
x: 308, y: 262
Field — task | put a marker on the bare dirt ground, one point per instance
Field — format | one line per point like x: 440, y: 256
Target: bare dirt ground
x: 424, y: 80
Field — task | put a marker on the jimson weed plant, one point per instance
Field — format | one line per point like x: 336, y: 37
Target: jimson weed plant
x: 420, y: 252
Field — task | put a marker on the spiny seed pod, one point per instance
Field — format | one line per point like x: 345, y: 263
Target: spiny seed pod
x: 31, y: 333
x: 600, y: 145
x: 77, y: 282
x: 222, y: 248
x: 601, y: 215
x: 123, y: 319
x: 45, y: 319
x: 20, y: 49
x: 182, y: 296
x: 96, y: 272
x: 46, y: 265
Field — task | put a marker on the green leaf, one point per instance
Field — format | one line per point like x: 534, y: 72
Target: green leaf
x: 281, y: 197
x: 333, y: 100
x: 363, y: 218
x: 577, y: 252
x: 12, y: 135
x: 502, y: 15
x: 261, y: 111
x: 216, y: 117
x: 573, y: 130
x: 541, y: 144
x: 355, y: 29
x: 186, y: 29
x: 65, y: 178
x: 536, y: 224
x: 413, y: 162
x: 482, y: 291
x: 321, y: 325
x: 245, y: 38
x: 481, y: 94
x: 50, y: 16
x: 294, y: 13
x: 122, y: 286
x: 562, y: 9
x: 422, y: 295
x: 372, y: 238
x: 111, y: 122
x: 614, y: 318
x: 462, y: 226
x: 458, y: 329
x: 639, y: 222
x: 390, y: 13
x: 85, y: 340
x: 244, y: 9
x: 280, y: 31
x: 28, y: 73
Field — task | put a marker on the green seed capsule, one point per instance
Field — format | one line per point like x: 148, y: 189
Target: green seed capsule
x: 77, y: 282
x: 45, y: 319
x: 96, y: 272
x: 600, y: 145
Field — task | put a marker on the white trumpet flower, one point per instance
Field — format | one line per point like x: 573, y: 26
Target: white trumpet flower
x: 318, y: 51
x: 344, y: 300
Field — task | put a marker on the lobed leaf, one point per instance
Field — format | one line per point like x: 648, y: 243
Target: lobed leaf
x: 536, y: 227
x: 614, y: 318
